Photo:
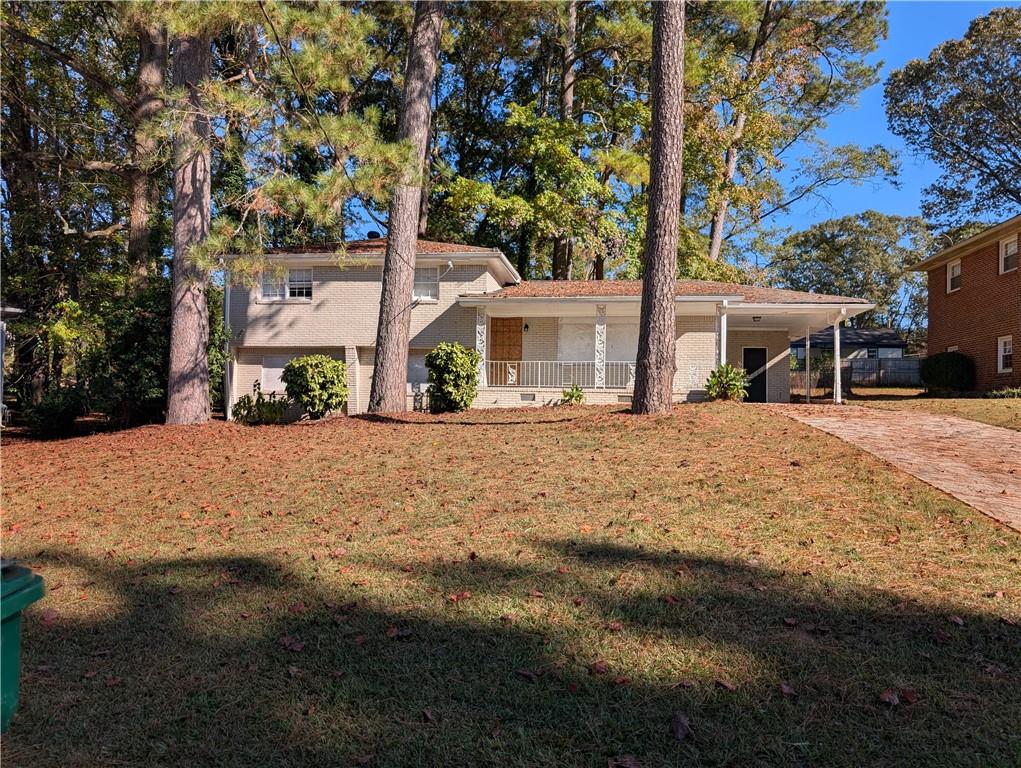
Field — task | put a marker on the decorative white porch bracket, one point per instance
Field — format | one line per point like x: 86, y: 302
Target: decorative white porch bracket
x: 721, y: 333
x: 600, y: 376
x: 838, y: 397
x: 480, y: 342
x: 353, y: 379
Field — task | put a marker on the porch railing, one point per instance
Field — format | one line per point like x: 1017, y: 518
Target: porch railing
x: 558, y: 374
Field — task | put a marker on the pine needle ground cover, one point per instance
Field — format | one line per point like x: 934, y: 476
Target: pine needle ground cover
x: 569, y: 586
x: 1002, y: 412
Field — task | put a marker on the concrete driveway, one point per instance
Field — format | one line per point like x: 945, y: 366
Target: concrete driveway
x: 976, y: 463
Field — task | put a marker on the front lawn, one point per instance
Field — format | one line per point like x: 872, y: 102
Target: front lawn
x: 552, y: 587
x: 1004, y: 412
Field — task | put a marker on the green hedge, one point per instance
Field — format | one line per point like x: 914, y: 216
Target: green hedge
x: 453, y: 377
x: 316, y: 383
x: 948, y: 372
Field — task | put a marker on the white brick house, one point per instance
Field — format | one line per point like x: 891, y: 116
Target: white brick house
x: 537, y: 337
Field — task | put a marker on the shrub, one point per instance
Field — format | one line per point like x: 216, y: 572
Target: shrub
x: 573, y: 396
x: 317, y: 383
x: 258, y: 409
x: 727, y: 383
x: 948, y: 372
x: 55, y: 414
x: 1005, y: 393
x: 453, y: 377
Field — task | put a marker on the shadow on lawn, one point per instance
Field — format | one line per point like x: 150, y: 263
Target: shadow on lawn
x: 440, y: 420
x: 241, y: 662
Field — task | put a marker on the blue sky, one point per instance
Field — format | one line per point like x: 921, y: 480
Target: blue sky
x: 915, y: 29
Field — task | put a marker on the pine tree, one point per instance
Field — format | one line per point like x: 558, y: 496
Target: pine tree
x: 654, y: 369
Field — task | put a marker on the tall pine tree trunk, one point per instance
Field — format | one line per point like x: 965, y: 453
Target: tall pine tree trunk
x: 142, y: 188
x: 737, y: 125
x: 563, y: 246
x: 654, y: 372
x: 389, y: 382
x: 188, y: 386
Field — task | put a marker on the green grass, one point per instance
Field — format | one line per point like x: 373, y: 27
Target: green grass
x: 537, y: 588
x: 1004, y: 412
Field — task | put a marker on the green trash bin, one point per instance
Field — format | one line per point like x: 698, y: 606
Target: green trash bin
x: 19, y: 588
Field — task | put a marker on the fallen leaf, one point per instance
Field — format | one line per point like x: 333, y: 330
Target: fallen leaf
x: 599, y: 667
x: 536, y: 593
x: 615, y: 626
x: 890, y: 697
x: 908, y: 695
x: 726, y: 685
x: 790, y: 621
x: 292, y: 644
x: 623, y: 761
x: 956, y: 620
x: 788, y: 690
x: 428, y: 716
x: 680, y: 726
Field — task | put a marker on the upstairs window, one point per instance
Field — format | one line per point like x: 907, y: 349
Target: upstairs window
x: 1008, y: 255
x: 274, y: 286
x: 1005, y: 354
x: 954, y: 276
x: 427, y: 284
x: 299, y: 283
x: 291, y: 284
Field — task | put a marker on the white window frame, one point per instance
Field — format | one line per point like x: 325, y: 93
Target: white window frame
x: 1004, y: 245
x: 296, y: 280
x: 286, y: 284
x: 1004, y: 347
x: 950, y: 275
x: 422, y: 297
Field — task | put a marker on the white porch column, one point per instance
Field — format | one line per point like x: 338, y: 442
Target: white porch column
x: 837, y: 397
x: 721, y: 335
x: 480, y: 342
x: 600, y: 346
x: 808, y: 364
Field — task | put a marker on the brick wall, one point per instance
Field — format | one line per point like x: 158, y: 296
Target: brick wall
x: 987, y: 306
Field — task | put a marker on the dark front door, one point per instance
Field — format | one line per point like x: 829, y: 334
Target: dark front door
x: 754, y: 359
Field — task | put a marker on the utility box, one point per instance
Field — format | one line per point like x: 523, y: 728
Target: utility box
x: 19, y: 588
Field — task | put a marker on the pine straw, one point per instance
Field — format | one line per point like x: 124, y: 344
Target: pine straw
x: 1003, y: 412
x: 532, y: 588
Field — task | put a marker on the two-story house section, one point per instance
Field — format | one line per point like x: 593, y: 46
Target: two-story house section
x: 975, y: 302
x: 322, y: 303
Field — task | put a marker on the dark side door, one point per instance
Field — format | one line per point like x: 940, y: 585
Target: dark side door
x: 754, y: 359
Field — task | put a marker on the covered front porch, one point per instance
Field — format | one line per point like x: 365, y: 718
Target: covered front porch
x: 532, y: 350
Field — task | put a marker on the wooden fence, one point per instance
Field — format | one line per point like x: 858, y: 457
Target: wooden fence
x: 863, y: 372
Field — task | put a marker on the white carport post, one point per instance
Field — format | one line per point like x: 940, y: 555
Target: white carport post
x: 480, y: 342
x: 721, y: 325
x: 600, y: 381
x: 808, y: 364
x: 837, y: 394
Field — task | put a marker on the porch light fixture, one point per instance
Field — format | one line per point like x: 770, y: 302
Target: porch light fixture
x: 526, y: 328
x: 756, y: 318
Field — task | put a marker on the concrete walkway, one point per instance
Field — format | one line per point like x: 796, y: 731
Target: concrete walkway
x: 976, y: 463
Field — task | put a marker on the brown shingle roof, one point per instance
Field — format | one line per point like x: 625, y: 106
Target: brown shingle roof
x: 377, y: 246
x: 562, y: 289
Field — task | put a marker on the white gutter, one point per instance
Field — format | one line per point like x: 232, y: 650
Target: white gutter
x: 478, y: 300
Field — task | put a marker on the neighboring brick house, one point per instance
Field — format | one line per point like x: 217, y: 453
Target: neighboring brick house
x: 975, y: 302
x: 536, y: 338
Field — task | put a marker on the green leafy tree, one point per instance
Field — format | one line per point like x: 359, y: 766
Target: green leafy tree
x: 959, y: 109
x: 867, y: 255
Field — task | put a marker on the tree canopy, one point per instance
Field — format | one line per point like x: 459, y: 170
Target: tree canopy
x: 959, y: 108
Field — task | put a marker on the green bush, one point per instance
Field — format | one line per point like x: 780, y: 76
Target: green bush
x: 1005, y: 393
x: 55, y: 414
x: 258, y: 409
x: 727, y: 383
x: 316, y: 383
x: 453, y: 377
x: 573, y: 396
x: 948, y: 372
